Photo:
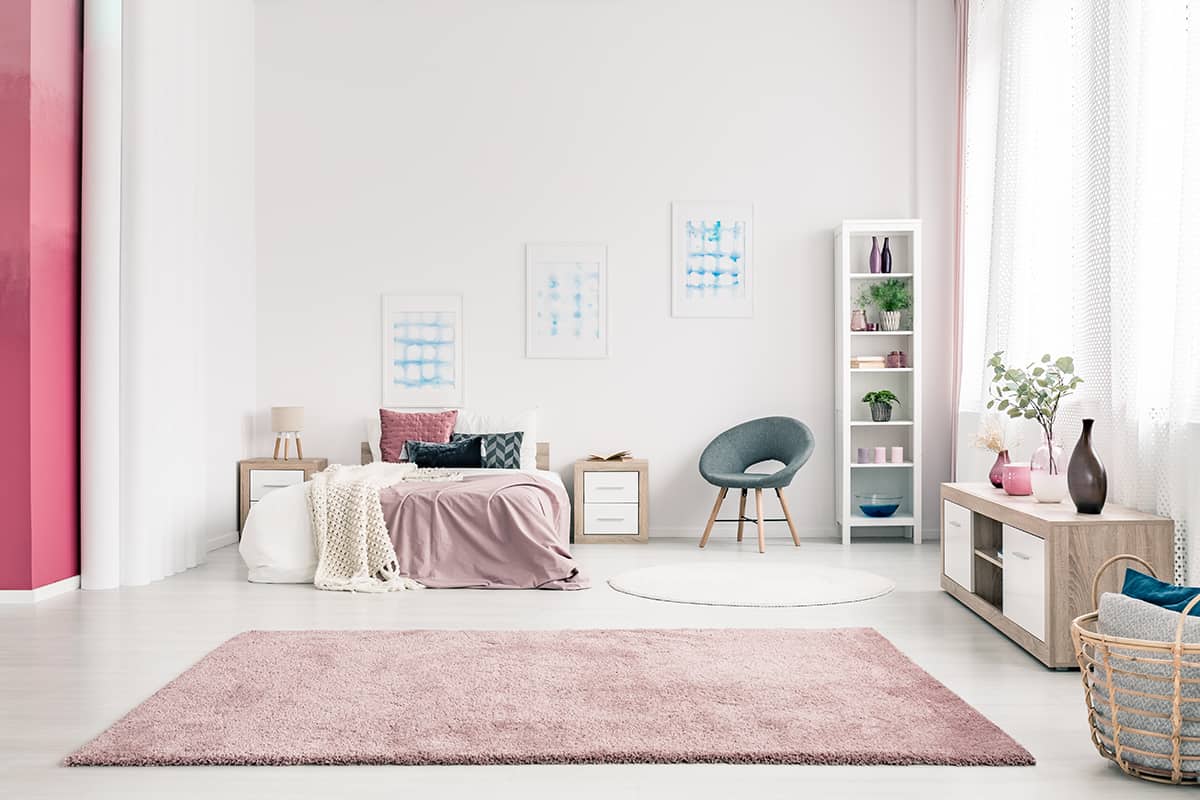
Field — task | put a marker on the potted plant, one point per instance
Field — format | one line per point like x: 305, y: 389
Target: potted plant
x: 1035, y: 392
x: 890, y: 297
x: 881, y: 404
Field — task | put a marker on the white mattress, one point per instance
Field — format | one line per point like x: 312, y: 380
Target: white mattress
x: 277, y: 541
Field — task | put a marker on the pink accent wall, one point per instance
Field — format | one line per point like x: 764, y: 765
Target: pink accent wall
x: 40, y: 97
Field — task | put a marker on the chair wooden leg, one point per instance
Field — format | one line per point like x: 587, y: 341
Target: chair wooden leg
x: 713, y: 516
x: 788, y: 515
x: 762, y: 540
x: 741, y: 514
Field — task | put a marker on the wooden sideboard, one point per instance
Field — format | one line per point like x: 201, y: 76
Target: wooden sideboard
x: 1027, y: 567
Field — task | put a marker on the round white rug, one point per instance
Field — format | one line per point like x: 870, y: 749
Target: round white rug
x: 740, y: 583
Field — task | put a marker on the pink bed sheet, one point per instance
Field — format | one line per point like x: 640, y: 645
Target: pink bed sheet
x: 484, y: 532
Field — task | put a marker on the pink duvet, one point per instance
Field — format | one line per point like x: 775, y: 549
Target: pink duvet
x: 484, y: 532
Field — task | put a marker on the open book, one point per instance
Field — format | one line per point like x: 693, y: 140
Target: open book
x: 620, y: 455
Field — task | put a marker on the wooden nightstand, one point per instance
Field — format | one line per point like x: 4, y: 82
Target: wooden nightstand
x: 612, y: 501
x: 258, y: 477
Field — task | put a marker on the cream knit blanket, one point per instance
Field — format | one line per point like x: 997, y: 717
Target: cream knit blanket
x: 354, y: 550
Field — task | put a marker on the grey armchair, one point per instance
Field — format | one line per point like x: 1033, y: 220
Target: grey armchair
x: 724, y: 461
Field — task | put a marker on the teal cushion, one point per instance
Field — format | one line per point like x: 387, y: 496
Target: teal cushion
x: 466, y: 453
x: 500, y: 450
x: 1165, y: 595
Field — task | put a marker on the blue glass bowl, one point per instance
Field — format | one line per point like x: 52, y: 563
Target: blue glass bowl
x: 878, y: 505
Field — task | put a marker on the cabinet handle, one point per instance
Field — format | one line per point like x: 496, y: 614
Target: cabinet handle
x: 610, y: 519
x: 276, y: 485
x: 954, y: 523
x: 1020, y: 555
x: 609, y: 488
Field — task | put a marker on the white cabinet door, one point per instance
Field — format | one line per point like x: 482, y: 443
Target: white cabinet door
x: 617, y: 519
x: 958, y: 554
x: 265, y: 481
x: 1025, y: 580
x: 603, y: 486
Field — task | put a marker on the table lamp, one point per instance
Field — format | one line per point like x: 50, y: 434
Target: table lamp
x: 286, y: 422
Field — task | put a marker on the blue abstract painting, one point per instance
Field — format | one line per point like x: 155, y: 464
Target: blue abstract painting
x: 566, y: 297
x: 712, y: 264
x: 716, y: 257
x: 422, y: 346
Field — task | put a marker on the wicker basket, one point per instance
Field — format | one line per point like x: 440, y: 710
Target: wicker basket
x: 1110, y: 654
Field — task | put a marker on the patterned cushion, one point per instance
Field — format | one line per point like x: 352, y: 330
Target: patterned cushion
x: 464, y: 453
x: 500, y: 450
x: 398, y: 428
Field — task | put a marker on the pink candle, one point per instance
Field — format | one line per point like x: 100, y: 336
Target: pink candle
x: 897, y: 455
x: 1016, y: 479
x: 880, y: 455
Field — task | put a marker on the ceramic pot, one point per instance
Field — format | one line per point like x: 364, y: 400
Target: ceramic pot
x: 996, y: 475
x: 1048, y: 473
x: 874, y: 262
x: 881, y: 412
x: 1087, y: 480
x: 890, y: 320
x: 1016, y: 480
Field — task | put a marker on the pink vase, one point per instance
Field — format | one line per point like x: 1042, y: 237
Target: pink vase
x: 1016, y: 480
x: 996, y: 476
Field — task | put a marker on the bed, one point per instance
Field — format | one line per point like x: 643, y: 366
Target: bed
x: 497, y: 528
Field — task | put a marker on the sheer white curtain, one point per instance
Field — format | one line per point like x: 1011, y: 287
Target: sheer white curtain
x: 1081, y: 230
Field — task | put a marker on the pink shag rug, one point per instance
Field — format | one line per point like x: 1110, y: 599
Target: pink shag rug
x: 554, y: 697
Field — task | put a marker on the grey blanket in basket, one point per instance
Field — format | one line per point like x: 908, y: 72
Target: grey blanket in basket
x: 1136, y: 619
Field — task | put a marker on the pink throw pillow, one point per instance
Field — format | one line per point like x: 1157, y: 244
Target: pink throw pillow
x: 399, y: 427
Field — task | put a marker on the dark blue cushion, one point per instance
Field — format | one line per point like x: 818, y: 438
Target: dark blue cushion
x: 1152, y: 590
x: 464, y: 453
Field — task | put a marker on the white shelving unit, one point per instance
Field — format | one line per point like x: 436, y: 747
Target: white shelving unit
x: 852, y: 418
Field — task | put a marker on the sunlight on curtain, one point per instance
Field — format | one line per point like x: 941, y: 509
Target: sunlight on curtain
x: 1081, y: 228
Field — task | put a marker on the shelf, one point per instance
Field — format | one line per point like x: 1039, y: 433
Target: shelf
x: 888, y: 465
x: 881, y: 333
x: 895, y: 422
x: 862, y: 275
x: 881, y: 369
x: 859, y: 520
x: 990, y: 556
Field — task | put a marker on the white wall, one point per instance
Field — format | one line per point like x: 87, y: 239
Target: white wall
x: 414, y: 147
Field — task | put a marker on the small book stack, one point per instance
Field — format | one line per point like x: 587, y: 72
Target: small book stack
x: 867, y: 362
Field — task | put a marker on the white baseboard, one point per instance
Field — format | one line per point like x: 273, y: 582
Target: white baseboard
x: 221, y: 540
x: 774, y: 530
x: 15, y: 596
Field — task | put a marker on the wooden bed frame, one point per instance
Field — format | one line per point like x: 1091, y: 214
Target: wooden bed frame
x: 543, y: 454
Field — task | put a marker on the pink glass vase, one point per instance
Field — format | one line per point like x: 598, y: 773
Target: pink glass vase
x: 996, y: 476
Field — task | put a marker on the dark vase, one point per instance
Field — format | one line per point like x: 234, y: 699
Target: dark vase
x: 885, y: 258
x: 874, y: 261
x: 1086, y: 479
x: 996, y: 476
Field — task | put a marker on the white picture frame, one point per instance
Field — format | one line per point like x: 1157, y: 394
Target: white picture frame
x: 566, y: 301
x: 422, y: 351
x: 713, y: 273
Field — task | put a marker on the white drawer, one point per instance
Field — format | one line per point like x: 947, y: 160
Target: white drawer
x: 617, y: 519
x: 610, y: 487
x: 958, y: 553
x: 265, y: 481
x: 1025, y: 580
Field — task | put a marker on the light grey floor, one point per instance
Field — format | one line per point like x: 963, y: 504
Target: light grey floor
x: 72, y: 665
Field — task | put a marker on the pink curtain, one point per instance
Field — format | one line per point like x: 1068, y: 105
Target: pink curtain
x: 960, y: 52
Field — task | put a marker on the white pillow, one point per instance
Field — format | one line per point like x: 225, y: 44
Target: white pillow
x: 470, y: 422
x: 525, y: 421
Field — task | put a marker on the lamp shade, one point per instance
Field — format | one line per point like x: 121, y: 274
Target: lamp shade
x: 287, y: 418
